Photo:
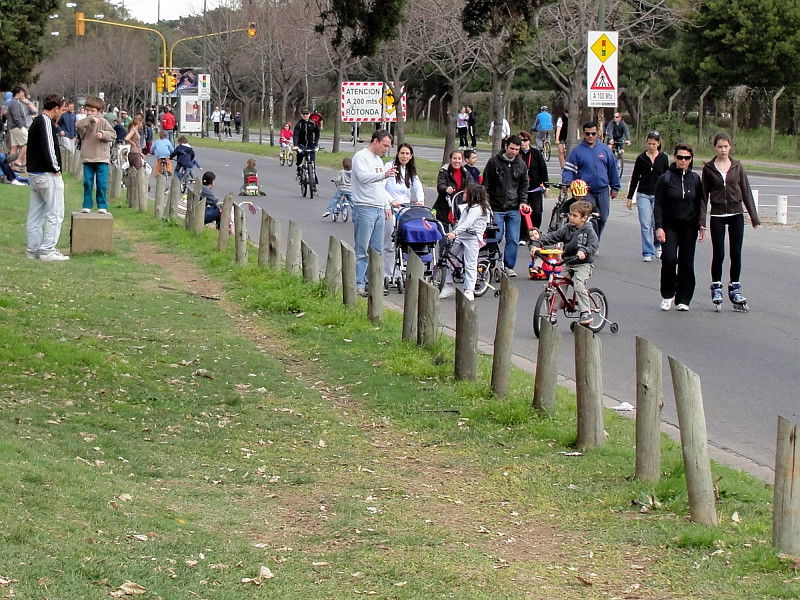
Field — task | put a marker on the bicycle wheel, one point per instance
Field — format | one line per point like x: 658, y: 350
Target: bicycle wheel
x: 542, y: 310
x: 484, y: 275
x: 598, y: 306
x: 289, y: 159
x: 345, y: 212
x: 312, y: 179
x: 620, y: 164
x: 282, y: 158
x: 303, y: 186
x: 546, y: 150
x: 335, y: 213
x: 439, y: 274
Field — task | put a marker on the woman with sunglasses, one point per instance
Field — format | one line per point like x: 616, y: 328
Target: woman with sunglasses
x: 649, y: 166
x: 679, y: 194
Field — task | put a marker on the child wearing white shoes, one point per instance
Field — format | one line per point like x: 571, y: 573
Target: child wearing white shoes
x: 468, y: 236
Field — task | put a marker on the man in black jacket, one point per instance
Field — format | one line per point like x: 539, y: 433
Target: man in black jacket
x: 305, y: 137
x: 506, y: 179
x: 46, y: 211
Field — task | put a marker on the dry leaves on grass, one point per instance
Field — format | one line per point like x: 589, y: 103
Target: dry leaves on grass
x: 129, y: 588
x: 264, y: 573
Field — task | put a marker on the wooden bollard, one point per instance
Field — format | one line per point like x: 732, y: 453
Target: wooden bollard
x: 427, y: 314
x: 263, y: 239
x: 546, y: 379
x: 115, y: 182
x: 333, y: 267
x: 225, y: 226
x: 240, y: 234
x: 466, y: 359
x: 160, y: 201
x: 414, y: 270
x: 275, y: 254
x: 589, y: 388
x: 349, y: 291
x: 786, y: 499
x: 294, y: 257
x: 504, y: 336
x: 694, y: 443
x: 189, y: 218
x: 77, y: 165
x: 174, y: 198
x: 131, y: 189
x: 198, y: 208
x: 310, y: 263
x: 649, y: 402
x: 143, y: 195
x: 375, y: 289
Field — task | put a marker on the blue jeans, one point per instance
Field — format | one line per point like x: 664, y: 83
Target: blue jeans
x: 645, y: 204
x: 337, y: 196
x: 508, y: 222
x: 368, y: 222
x: 92, y: 171
x: 602, y: 201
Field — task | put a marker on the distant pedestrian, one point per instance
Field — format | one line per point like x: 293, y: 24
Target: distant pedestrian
x: 462, y: 127
x: 237, y: 122
x: 649, y: 166
x: 66, y: 129
x: 134, y: 138
x: 168, y: 123
x: 227, y: 117
x: 473, y: 126
x: 562, y: 137
x: 216, y: 119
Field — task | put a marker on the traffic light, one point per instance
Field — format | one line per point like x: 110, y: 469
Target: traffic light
x: 79, y: 24
x: 251, y: 29
x: 171, y: 81
x: 160, y: 82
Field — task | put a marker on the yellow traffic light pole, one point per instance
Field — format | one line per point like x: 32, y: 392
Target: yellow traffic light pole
x: 198, y: 37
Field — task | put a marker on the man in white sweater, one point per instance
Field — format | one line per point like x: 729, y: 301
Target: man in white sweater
x: 372, y: 208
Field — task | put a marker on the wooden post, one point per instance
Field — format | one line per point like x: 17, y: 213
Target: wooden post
x: 589, y: 388
x: 700, y: 115
x: 774, y: 117
x: 198, y: 209
x: 160, y: 201
x: 414, y: 270
x: 649, y: 402
x: 694, y: 443
x: 294, y: 258
x: 349, y: 292
x: 466, y: 363
x: 786, y: 500
x: 333, y: 267
x: 240, y: 234
x: 427, y: 314
x: 131, y: 190
x: 504, y: 336
x: 143, y: 196
x: 225, y: 227
x: 115, y: 182
x: 310, y: 263
x: 189, y: 218
x: 174, y: 198
x: 263, y: 239
x: 375, y: 291
x: 275, y: 255
x: 544, y: 385
x: 77, y: 165
x: 672, y: 99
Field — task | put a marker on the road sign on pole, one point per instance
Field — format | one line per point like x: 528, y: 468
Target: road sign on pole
x: 204, y: 86
x: 602, y: 59
x: 370, y: 102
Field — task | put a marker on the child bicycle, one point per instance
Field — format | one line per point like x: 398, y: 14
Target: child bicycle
x: 451, y: 262
x: 559, y: 295
x: 343, y: 207
x: 286, y: 157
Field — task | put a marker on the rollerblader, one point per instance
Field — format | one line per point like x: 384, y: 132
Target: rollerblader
x: 716, y: 295
x: 735, y: 294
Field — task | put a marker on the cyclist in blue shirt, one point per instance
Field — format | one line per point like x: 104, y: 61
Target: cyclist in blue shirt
x: 542, y: 126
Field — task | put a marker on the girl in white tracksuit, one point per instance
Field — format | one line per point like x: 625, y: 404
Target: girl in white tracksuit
x: 468, y: 236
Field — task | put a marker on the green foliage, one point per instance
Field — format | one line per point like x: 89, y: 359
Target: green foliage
x: 672, y: 129
x: 512, y: 20
x: 22, y: 38
x: 365, y: 23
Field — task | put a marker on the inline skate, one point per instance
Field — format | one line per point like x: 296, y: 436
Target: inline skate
x: 734, y: 293
x: 716, y: 295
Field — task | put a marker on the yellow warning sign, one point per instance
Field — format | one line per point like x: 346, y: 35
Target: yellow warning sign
x: 388, y: 101
x: 603, y: 48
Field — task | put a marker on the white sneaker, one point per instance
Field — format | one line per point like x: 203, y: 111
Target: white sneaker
x: 102, y: 211
x: 510, y: 272
x: 86, y: 210
x: 658, y: 252
x: 682, y: 307
x: 469, y: 295
x: 32, y: 254
x: 647, y: 259
x: 447, y: 291
x: 523, y: 243
x: 54, y: 256
x: 666, y: 303
x: 18, y: 182
x: 326, y: 214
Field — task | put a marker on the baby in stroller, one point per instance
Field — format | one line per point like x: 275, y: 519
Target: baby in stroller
x: 250, y: 186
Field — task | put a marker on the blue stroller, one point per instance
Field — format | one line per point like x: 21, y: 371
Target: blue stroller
x: 418, y: 231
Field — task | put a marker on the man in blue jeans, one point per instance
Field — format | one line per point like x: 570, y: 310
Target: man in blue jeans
x: 371, y: 207
x: 506, y: 179
x: 593, y: 161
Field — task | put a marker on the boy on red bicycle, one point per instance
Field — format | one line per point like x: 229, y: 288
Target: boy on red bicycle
x: 580, y: 246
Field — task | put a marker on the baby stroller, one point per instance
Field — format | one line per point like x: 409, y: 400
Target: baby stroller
x: 416, y: 230
x: 251, y: 187
x: 489, y: 258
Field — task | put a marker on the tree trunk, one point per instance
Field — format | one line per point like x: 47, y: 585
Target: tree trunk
x: 497, y: 110
x: 246, y: 120
x: 449, y: 134
x: 337, y: 122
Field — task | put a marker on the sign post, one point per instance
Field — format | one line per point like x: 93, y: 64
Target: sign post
x: 602, y: 59
x: 370, y: 102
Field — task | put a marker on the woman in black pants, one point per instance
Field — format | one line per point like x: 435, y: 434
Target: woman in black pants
x: 679, y: 194
x: 726, y: 187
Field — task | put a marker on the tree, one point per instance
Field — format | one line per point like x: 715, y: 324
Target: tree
x: 369, y: 22
x: 22, y: 38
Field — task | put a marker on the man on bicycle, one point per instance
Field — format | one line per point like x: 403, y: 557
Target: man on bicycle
x: 617, y: 133
x: 305, y: 138
x: 542, y: 126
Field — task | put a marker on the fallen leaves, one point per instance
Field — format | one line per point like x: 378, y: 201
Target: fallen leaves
x: 264, y: 574
x: 129, y: 588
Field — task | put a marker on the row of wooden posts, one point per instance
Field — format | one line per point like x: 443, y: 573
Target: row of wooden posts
x: 421, y: 326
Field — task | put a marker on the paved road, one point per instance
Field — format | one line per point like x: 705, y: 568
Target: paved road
x: 747, y: 362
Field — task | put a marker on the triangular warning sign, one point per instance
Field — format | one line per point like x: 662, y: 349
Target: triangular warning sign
x: 602, y: 81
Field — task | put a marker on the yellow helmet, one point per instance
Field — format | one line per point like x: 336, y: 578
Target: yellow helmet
x: 578, y: 188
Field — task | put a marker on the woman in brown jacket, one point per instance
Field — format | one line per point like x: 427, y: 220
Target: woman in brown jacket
x: 135, y: 140
x: 726, y: 188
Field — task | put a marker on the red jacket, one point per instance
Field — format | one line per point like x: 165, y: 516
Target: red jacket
x: 168, y: 121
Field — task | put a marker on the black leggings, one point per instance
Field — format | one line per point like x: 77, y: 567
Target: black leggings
x: 735, y: 225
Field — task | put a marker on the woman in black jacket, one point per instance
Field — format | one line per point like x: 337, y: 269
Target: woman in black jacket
x: 679, y: 193
x: 452, y: 178
x: 649, y: 166
x: 537, y: 177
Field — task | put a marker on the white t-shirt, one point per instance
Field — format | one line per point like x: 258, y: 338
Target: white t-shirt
x: 367, y: 180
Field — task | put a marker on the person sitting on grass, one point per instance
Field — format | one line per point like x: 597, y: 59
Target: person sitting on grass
x: 213, y: 212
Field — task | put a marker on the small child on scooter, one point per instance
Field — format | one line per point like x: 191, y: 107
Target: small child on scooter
x: 343, y: 186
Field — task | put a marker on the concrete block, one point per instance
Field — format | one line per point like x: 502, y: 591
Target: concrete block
x: 91, y: 232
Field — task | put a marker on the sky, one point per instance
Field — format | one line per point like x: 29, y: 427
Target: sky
x: 147, y: 10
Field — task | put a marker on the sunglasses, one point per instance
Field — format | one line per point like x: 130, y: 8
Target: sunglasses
x: 682, y: 157
x: 589, y: 133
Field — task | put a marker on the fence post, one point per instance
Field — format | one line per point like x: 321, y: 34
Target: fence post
x: 694, y: 443
x: 546, y: 378
x: 310, y: 263
x: 174, y: 198
x: 589, y: 388
x: 349, y: 292
x: 639, y: 118
x: 782, y: 210
x: 77, y: 165
x: 375, y: 292
x: 131, y: 189
x: 466, y: 337
x: 294, y: 259
x: 504, y: 336
x: 333, y: 267
x: 700, y: 116
x: 240, y: 234
x: 115, y: 183
x: 160, y: 201
x: 414, y: 270
x: 144, y: 197
x: 427, y: 314
x: 224, y: 230
x: 649, y: 402
x: 786, y: 501
x: 263, y: 239
x: 672, y: 98
x: 774, y: 116
x: 275, y: 235
x: 756, y: 194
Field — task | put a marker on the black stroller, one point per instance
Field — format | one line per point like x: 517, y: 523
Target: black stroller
x: 416, y: 230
